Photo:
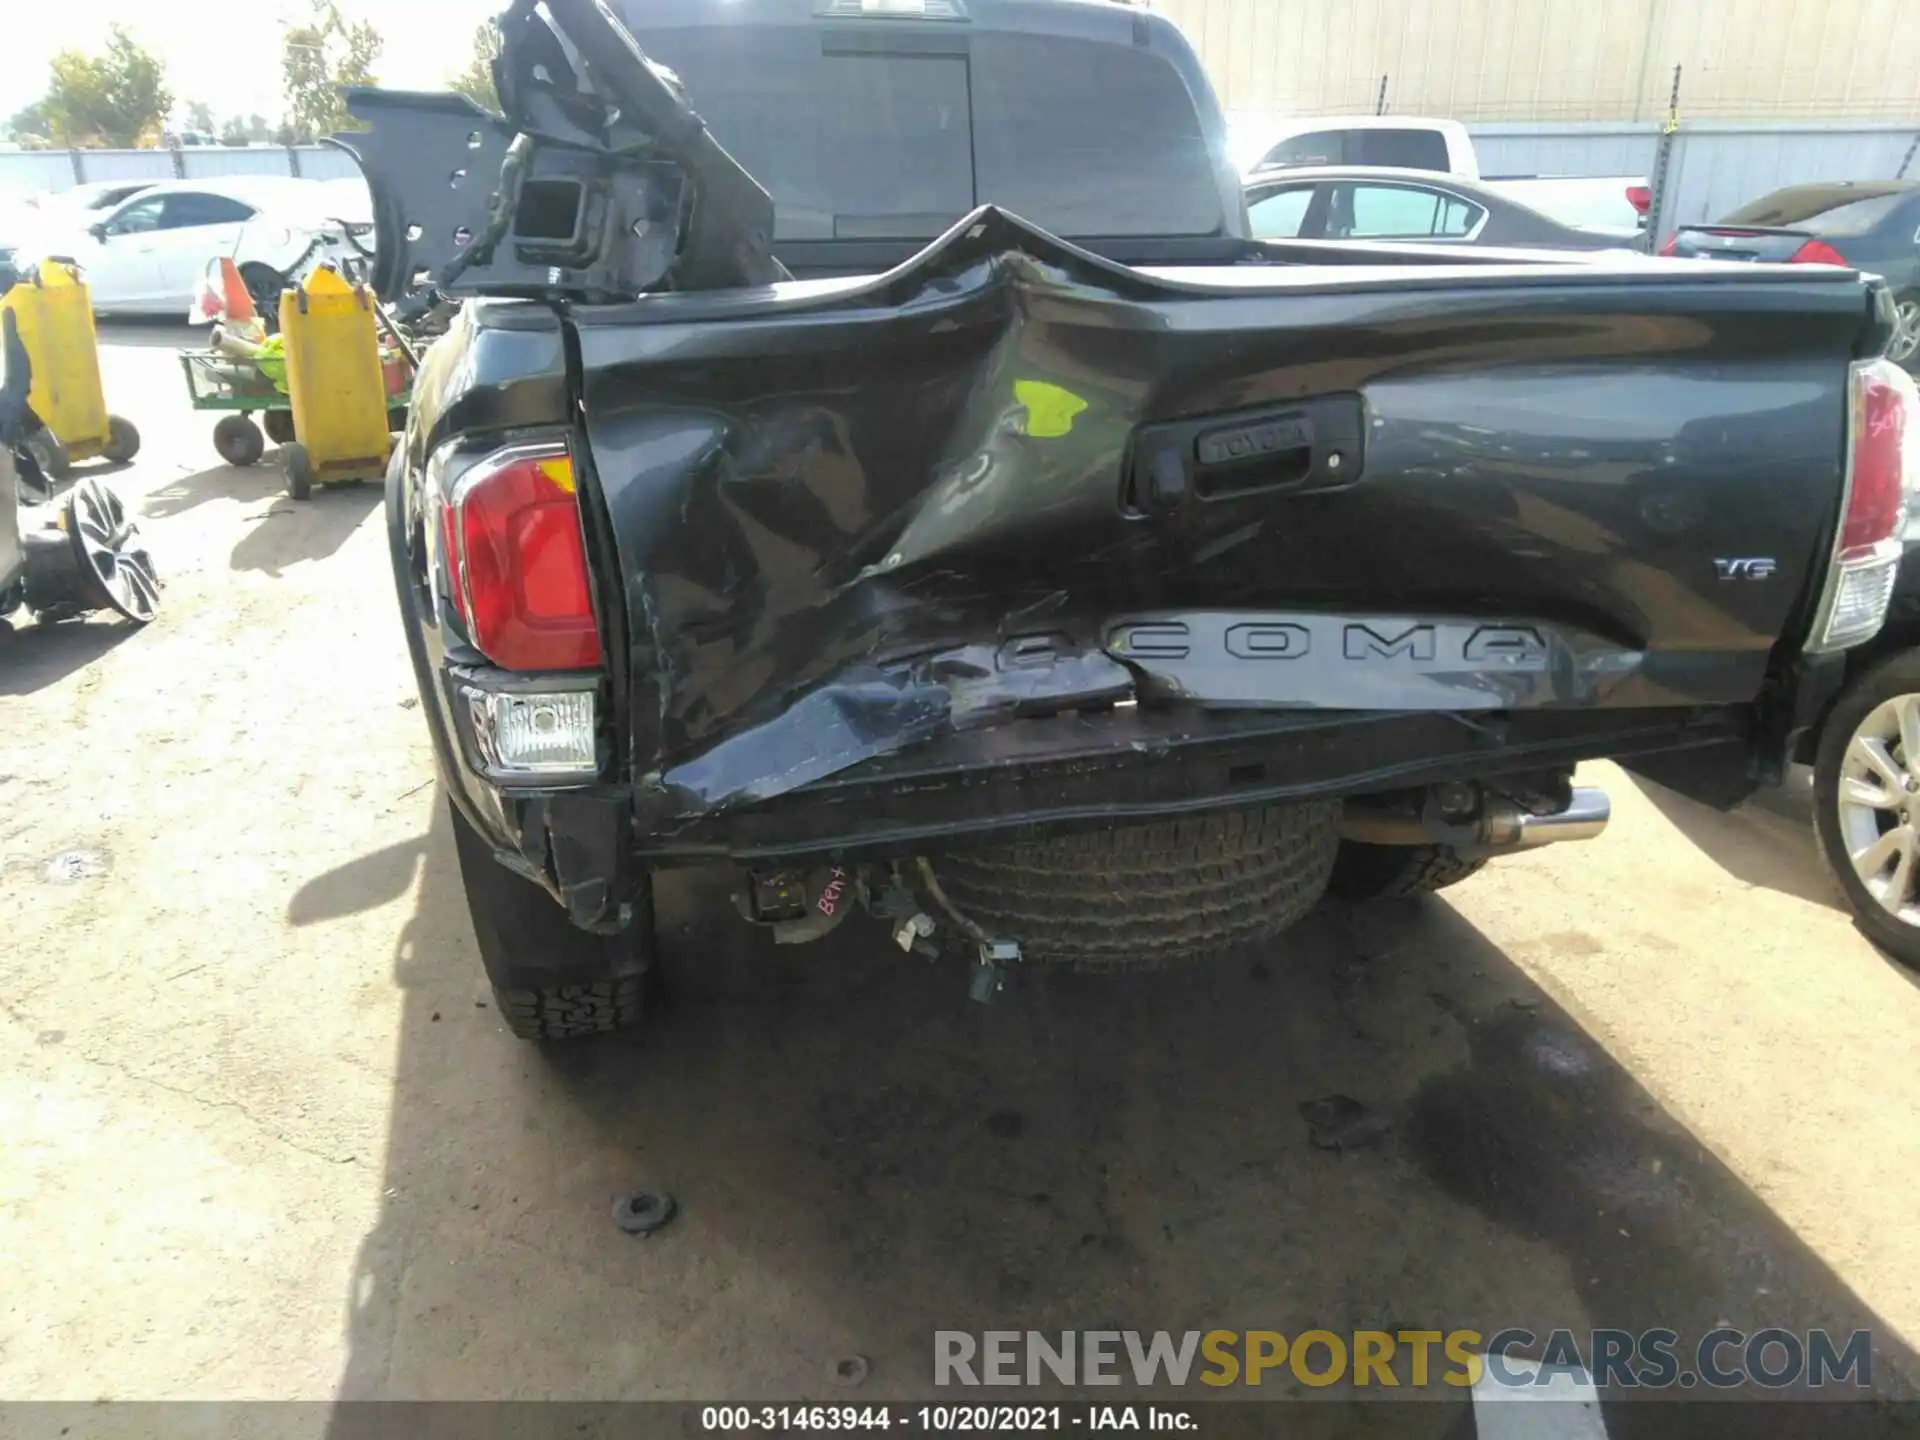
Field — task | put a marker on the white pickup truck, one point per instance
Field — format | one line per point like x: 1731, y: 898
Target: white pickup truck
x: 1608, y: 204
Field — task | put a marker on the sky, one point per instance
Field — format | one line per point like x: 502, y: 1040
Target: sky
x: 227, y: 52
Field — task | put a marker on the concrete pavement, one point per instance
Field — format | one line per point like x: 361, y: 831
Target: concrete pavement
x: 261, y: 1135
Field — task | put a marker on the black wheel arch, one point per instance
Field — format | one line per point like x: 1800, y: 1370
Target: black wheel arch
x: 1900, y: 633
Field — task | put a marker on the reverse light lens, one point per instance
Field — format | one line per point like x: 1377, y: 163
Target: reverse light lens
x: 1860, y: 604
x: 543, y: 734
x: 517, y: 562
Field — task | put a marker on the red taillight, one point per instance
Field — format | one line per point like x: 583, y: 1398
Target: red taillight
x: 1641, y: 198
x: 1817, y: 252
x: 1883, y: 422
x: 517, y: 563
x: 1882, y: 405
x: 1673, y: 243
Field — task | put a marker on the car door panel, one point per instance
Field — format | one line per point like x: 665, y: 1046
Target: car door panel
x: 198, y: 226
x: 121, y: 271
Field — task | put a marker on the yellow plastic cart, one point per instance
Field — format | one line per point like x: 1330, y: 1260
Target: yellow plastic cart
x: 55, y: 315
x: 336, y: 383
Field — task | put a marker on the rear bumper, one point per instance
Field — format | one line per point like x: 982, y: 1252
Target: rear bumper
x: 589, y: 845
x: 1109, y: 759
x: 1084, y: 772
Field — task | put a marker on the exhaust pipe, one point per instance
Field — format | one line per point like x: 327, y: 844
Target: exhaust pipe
x: 1502, y: 827
x: 1584, y: 818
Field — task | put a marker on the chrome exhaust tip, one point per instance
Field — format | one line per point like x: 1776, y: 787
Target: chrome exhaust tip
x: 1585, y: 817
x: 1501, y: 828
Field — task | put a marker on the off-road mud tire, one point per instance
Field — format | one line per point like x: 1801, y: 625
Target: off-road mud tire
x: 565, y: 1012
x: 550, y: 979
x: 1148, y: 897
x: 1385, y: 872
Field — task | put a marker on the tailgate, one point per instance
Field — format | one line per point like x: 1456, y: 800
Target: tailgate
x: 1010, y: 479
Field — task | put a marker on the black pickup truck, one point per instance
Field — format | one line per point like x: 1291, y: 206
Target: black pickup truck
x: 980, y: 531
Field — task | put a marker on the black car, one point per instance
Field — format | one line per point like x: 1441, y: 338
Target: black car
x: 1871, y: 225
x: 1375, y: 202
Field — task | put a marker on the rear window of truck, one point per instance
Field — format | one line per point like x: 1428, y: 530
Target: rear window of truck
x: 860, y: 135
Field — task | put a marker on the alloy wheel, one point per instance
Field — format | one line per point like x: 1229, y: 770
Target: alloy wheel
x: 1879, y: 805
x: 112, y: 552
x: 1906, y: 335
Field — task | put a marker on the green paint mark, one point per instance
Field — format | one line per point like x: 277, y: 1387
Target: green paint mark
x: 1050, y: 408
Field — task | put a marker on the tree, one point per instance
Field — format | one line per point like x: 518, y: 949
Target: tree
x: 251, y: 130
x: 30, y: 124
x: 200, y: 118
x: 476, y: 81
x: 317, y: 59
x: 119, y: 98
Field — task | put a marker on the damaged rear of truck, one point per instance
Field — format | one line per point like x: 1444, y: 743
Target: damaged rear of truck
x: 1099, y: 601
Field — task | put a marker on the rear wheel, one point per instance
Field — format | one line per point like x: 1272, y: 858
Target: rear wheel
x: 1866, y: 793
x: 1904, y: 348
x: 238, y: 440
x: 279, y: 425
x: 551, y: 980
x: 264, y: 285
x: 299, y: 467
x: 123, y: 440
x: 1145, y: 897
x: 1381, y: 872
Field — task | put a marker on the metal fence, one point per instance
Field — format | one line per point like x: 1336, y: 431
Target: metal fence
x: 1716, y: 165
x: 38, y: 170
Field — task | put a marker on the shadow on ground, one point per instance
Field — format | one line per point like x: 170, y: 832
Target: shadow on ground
x: 32, y: 657
x: 1767, y: 842
x: 862, y: 1157
x: 246, y: 483
x: 291, y: 532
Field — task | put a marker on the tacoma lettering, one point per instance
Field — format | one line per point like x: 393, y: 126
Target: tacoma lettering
x: 1364, y: 642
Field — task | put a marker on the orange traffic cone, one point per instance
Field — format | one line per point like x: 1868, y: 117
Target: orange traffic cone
x: 239, y: 304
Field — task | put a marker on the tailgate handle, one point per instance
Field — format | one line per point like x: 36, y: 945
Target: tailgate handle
x: 1309, y: 447
x: 1253, y: 455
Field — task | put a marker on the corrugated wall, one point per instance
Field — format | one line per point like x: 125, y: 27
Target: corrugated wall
x: 33, y: 170
x: 1561, y: 59
x: 1717, y: 165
